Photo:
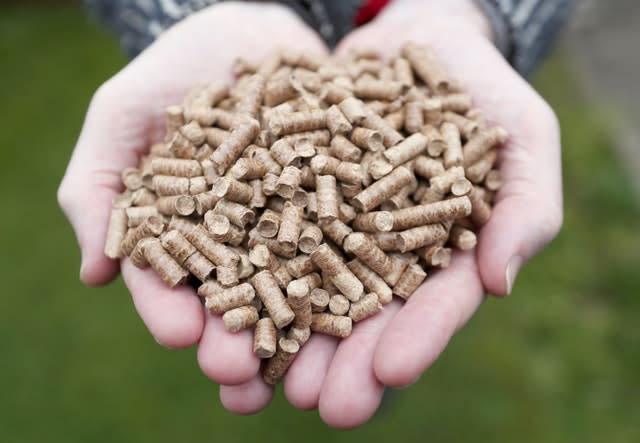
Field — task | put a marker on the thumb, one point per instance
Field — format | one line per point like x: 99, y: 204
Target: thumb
x: 92, y: 179
x: 528, y: 210
x: 519, y: 227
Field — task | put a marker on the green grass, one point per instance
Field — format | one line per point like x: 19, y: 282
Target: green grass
x: 556, y: 362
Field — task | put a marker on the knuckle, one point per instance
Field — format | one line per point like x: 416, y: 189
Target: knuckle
x: 551, y: 118
x: 65, y: 197
x: 107, y: 97
x: 547, y: 116
x: 103, y: 95
x: 552, y: 222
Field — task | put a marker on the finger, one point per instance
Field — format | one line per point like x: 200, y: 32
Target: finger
x: 351, y: 393
x: 88, y: 217
x: 306, y: 375
x: 227, y: 357
x: 528, y: 213
x: 173, y: 315
x: 108, y: 143
x: 528, y: 210
x: 417, y: 335
x: 246, y: 398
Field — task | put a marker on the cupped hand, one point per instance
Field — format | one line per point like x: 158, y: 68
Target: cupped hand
x: 346, y: 380
x: 125, y: 117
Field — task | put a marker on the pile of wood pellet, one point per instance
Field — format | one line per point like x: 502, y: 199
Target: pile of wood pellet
x: 324, y: 186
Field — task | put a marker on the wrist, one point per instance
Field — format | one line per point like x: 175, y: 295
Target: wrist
x: 239, y: 10
x: 440, y: 16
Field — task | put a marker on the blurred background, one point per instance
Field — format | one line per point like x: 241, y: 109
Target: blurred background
x: 558, y: 361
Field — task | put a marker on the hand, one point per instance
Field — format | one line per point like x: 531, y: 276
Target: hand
x: 346, y: 381
x: 125, y: 117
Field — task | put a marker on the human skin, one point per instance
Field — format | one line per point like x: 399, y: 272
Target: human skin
x: 125, y: 117
x: 344, y: 380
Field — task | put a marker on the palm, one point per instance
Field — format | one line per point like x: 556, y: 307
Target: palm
x: 346, y: 380
x: 126, y: 116
x: 189, y: 55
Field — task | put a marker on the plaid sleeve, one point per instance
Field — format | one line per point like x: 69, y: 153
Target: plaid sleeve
x: 139, y: 22
x: 526, y: 29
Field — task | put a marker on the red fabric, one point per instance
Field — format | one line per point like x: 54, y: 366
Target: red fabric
x: 369, y: 10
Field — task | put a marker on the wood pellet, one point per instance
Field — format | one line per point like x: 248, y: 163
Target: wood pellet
x: 302, y: 198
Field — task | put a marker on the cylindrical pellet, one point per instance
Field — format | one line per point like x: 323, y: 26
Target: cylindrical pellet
x: 298, y: 299
x: 301, y: 265
x: 335, y: 230
x: 339, y: 304
x: 462, y: 238
x: 238, y: 214
x: 219, y: 302
x: 165, y: 266
x: 340, y: 275
x: 310, y: 239
x: 290, y: 225
x: 407, y: 149
x: 335, y: 325
x: 382, y: 189
x: 421, y: 236
x: 151, y: 227
x: 327, y: 197
x: 477, y: 146
x: 264, y: 338
x: 115, y: 233
x: 268, y: 224
x: 368, y: 252
x: 176, y: 167
x: 277, y: 365
x: 337, y: 122
x: 371, y: 281
x: 411, y: 279
x: 364, y: 308
x: 233, y: 190
x: 240, y: 318
x: 378, y: 221
x: 431, y: 213
x: 176, y: 205
x: 274, y: 301
x: 319, y: 299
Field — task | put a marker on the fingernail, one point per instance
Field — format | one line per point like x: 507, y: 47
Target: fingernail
x: 512, y: 272
x: 81, y: 267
